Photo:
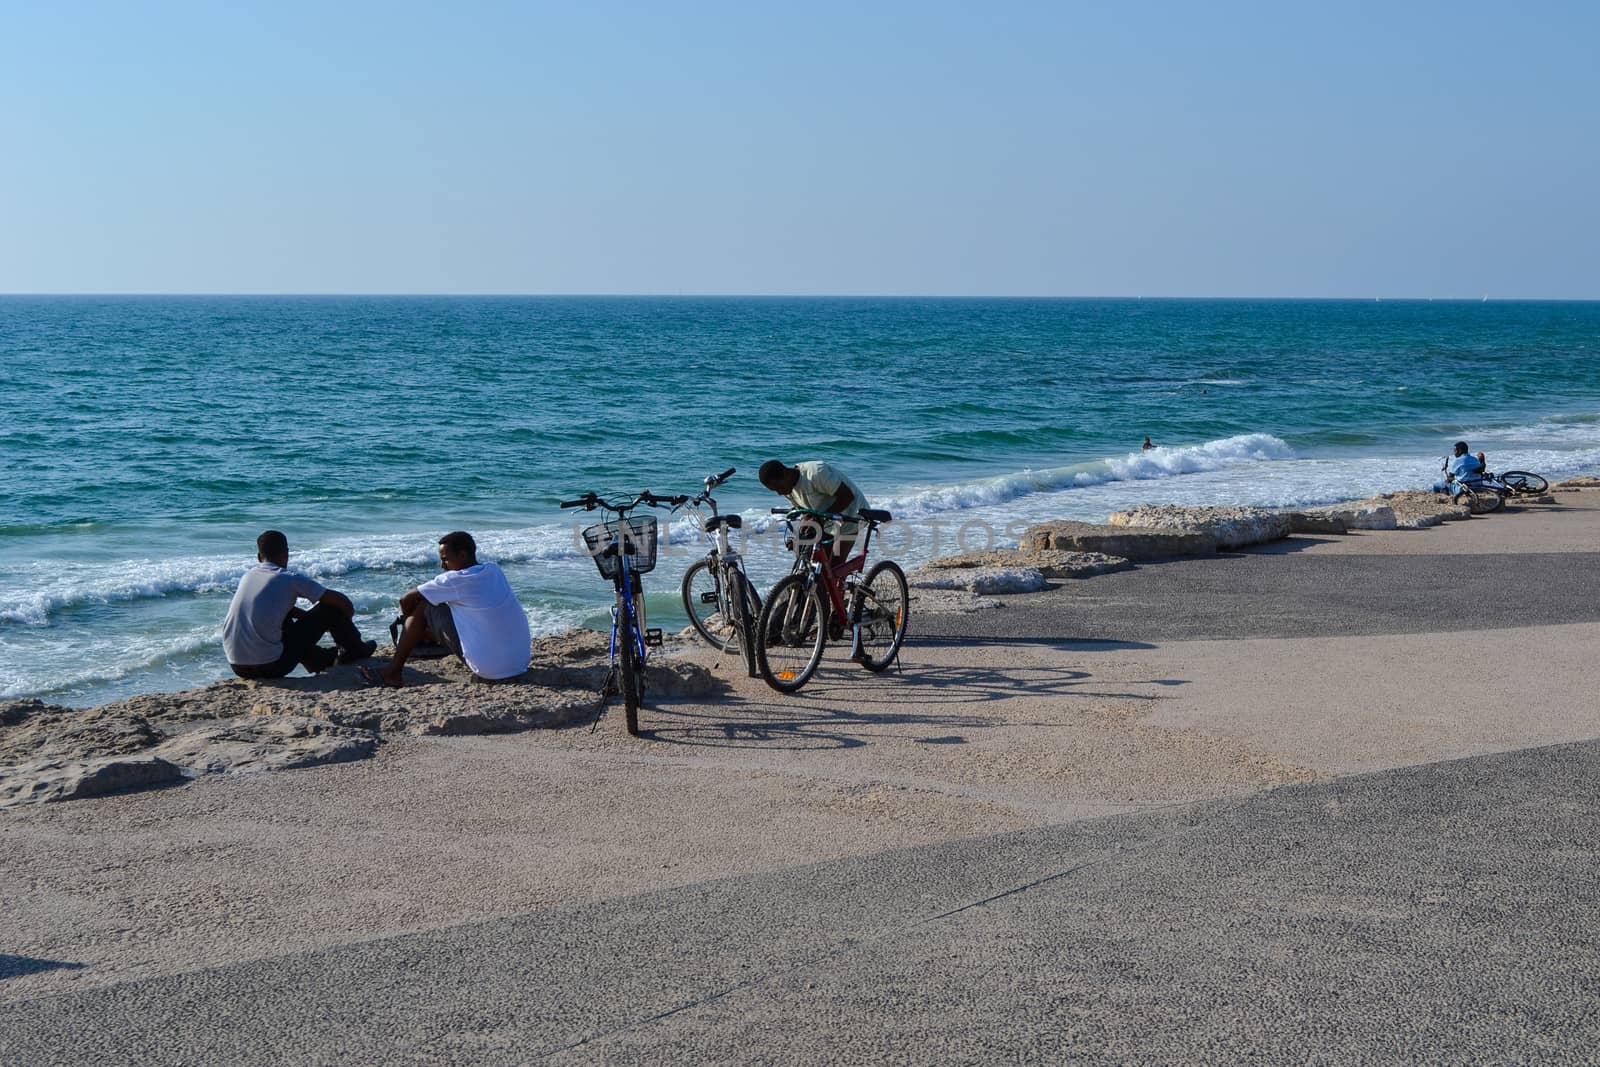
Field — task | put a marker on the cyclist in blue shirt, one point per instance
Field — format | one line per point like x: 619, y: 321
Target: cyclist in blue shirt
x: 1463, y: 467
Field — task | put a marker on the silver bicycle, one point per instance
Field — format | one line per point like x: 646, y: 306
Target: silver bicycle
x: 718, y: 596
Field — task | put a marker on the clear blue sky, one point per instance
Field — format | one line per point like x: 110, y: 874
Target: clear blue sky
x: 1187, y: 149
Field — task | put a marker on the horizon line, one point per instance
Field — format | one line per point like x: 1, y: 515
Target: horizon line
x: 1482, y: 298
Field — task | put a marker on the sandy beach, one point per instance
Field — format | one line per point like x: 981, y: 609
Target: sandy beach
x: 1003, y: 720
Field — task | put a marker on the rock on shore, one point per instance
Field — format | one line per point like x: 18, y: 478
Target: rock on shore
x: 1417, y: 509
x: 1357, y: 515
x: 1008, y: 571
x: 236, y: 727
x: 1126, y: 542
x: 1229, y: 527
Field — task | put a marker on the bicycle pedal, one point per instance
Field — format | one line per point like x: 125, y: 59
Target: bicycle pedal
x: 652, y: 638
x: 708, y: 597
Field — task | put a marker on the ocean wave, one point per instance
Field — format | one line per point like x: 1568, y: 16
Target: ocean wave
x: 1567, y: 431
x: 1134, y: 466
x: 136, y: 656
x: 31, y: 594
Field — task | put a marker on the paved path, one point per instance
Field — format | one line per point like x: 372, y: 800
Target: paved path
x: 1285, y: 592
x: 1442, y: 913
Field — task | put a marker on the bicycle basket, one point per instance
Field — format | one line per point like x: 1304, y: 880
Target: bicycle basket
x: 635, y: 536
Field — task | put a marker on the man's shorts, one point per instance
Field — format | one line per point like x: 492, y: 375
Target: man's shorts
x: 443, y: 626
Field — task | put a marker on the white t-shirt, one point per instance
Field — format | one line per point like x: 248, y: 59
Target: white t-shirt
x: 492, y: 626
x: 252, y: 634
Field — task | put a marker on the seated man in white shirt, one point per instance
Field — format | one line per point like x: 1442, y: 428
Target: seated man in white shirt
x: 265, y: 634
x: 470, y: 609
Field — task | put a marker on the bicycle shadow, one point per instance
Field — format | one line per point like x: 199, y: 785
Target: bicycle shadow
x: 17, y: 966
x: 843, y: 708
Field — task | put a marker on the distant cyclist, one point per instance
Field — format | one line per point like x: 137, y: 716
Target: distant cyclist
x: 1463, y: 469
x: 819, y: 486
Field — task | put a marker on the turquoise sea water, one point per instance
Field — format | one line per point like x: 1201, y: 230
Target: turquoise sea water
x: 147, y: 440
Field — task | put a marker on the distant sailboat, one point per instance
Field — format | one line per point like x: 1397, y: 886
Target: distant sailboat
x: 1485, y: 299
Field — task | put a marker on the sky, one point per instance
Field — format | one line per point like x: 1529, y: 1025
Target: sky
x: 1341, y: 149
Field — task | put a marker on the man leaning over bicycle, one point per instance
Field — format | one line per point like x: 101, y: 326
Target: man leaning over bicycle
x: 819, y: 486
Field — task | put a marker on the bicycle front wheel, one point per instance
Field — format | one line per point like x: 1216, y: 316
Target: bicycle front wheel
x: 883, y: 607
x: 1524, y: 482
x: 1485, y: 500
x: 790, y: 633
x: 707, y: 603
x: 631, y: 667
x: 746, y: 610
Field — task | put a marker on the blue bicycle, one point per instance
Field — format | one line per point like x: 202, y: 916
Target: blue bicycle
x: 623, y: 549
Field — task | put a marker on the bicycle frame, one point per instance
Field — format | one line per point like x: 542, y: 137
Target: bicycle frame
x: 833, y: 576
x: 624, y: 587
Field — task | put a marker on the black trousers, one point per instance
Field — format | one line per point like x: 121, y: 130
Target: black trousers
x: 300, y: 637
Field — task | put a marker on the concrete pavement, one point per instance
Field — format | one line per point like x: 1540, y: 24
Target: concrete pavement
x: 1444, y: 913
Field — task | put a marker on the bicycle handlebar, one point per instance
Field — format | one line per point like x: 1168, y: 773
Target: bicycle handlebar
x: 826, y: 516
x: 590, y: 501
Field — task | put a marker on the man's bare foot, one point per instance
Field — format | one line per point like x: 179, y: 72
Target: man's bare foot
x: 382, y: 678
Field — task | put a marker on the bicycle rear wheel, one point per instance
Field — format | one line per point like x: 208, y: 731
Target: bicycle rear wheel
x: 1524, y: 482
x: 883, y: 605
x: 790, y: 633
x: 709, y: 606
x: 630, y: 666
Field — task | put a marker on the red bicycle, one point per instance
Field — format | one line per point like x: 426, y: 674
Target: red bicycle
x: 824, y: 598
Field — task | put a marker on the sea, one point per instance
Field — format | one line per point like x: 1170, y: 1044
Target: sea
x: 146, y: 441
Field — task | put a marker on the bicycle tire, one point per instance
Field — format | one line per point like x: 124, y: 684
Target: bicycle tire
x: 1487, y: 500
x: 882, y: 605
x: 747, y: 609
x: 791, y: 633
x: 632, y: 671
x: 712, y: 622
x: 1525, y: 483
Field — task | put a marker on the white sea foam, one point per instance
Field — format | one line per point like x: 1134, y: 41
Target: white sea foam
x: 32, y: 593
x: 1135, y: 466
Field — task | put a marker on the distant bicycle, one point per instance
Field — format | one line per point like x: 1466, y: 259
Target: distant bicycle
x: 1517, y: 483
x: 624, y: 549
x: 719, y: 597
x: 823, y: 597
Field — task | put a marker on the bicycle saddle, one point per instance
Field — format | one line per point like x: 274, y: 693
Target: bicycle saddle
x: 875, y: 515
x: 732, y: 522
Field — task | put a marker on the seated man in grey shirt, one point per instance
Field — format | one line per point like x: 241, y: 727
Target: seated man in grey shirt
x: 265, y: 635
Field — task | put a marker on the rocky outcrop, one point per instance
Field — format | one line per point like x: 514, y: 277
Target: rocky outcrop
x: 235, y: 726
x: 1301, y: 522
x: 1050, y: 563
x: 1357, y: 515
x: 1577, y: 483
x: 241, y: 746
x: 1420, y: 509
x: 34, y: 730
x: 1231, y: 528
x: 985, y: 581
x: 1127, y: 542
x: 42, y: 781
